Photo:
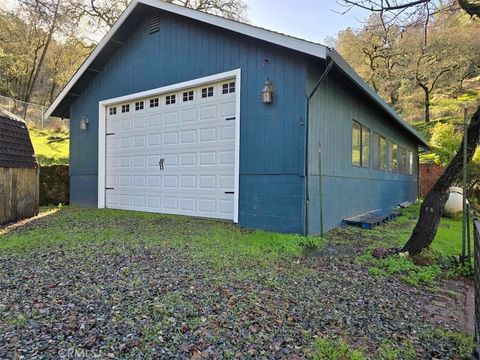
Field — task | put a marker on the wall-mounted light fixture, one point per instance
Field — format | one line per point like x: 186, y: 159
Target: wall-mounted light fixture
x: 267, y: 92
x: 84, y: 123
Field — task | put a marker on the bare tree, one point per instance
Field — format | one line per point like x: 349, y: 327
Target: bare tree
x: 432, y: 207
x: 49, y: 13
x: 102, y: 14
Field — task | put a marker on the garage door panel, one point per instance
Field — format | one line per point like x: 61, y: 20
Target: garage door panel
x: 139, y: 122
x: 193, y: 139
x: 139, y: 161
x: 188, y: 115
x: 154, y: 121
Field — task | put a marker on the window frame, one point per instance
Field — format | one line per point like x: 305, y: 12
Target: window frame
x: 403, y: 160
x: 207, y: 92
x: 154, y: 102
x: 188, y: 95
x: 362, y: 145
x: 229, y: 87
x: 139, y: 105
x: 409, y: 162
x: 391, y: 145
x: 171, y: 99
x: 377, y: 154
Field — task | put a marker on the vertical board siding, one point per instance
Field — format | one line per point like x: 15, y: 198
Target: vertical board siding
x: 348, y: 190
x: 271, y: 136
x: 19, y: 197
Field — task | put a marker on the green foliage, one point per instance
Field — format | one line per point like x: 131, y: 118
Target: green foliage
x: 390, y: 350
x: 445, y: 141
x: 463, y: 343
x: 51, y: 147
x: 326, y: 349
x: 403, y: 267
x: 442, y: 254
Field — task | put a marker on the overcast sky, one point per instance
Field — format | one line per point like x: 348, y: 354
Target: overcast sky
x: 313, y: 20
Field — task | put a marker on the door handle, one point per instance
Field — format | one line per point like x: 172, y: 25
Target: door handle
x: 160, y: 163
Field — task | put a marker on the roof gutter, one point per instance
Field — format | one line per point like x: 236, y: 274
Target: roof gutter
x: 322, y: 77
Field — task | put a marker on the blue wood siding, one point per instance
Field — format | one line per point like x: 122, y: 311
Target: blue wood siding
x: 348, y: 190
x: 272, y: 136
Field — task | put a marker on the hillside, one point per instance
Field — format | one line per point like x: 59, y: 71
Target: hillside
x: 51, y: 146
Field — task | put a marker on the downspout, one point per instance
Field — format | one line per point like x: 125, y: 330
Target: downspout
x: 307, y: 119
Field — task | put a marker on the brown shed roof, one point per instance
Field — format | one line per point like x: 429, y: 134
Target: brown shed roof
x: 16, y: 150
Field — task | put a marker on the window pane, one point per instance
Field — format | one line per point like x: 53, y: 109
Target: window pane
x: 392, y: 157
x: 410, y: 162
x: 376, y: 151
x: 365, y: 147
x: 383, y: 154
x: 403, y: 161
x: 356, y: 143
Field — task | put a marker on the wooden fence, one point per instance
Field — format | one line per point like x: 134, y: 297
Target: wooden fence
x: 19, y: 195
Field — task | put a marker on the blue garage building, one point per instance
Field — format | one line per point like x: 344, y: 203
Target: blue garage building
x: 182, y: 112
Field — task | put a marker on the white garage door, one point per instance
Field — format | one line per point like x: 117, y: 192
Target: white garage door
x: 174, y: 153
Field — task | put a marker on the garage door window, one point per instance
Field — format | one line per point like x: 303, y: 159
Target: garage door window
x: 139, y: 105
x: 170, y: 99
x: 228, y: 88
x: 154, y: 102
x: 125, y: 108
x: 207, y: 92
x: 188, y: 96
x: 112, y: 111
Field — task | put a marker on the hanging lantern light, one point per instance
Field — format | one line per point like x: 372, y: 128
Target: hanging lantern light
x: 84, y: 123
x: 267, y: 92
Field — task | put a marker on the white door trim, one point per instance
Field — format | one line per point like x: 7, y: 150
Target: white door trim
x: 102, y: 114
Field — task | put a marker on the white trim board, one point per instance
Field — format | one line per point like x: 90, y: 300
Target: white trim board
x: 102, y: 113
x: 304, y: 46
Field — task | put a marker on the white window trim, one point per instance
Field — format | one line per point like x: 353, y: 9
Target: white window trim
x: 102, y: 115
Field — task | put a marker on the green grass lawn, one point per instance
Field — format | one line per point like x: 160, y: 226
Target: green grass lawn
x: 221, y: 243
x: 443, y: 253
x: 51, y: 147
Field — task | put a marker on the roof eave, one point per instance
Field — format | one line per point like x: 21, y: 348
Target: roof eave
x: 362, y: 85
x: 300, y: 45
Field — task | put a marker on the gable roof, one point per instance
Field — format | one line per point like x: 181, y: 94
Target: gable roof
x: 112, y: 41
x: 16, y: 150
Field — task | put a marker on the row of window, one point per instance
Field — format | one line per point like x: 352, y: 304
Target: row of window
x: 206, y: 92
x: 387, y: 155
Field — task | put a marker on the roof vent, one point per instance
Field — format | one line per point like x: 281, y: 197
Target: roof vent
x: 153, y: 24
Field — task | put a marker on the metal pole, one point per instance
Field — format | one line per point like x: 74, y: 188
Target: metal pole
x: 464, y: 185
x: 320, y: 192
x: 469, y: 249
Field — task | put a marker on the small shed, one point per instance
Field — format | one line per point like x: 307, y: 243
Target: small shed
x: 18, y: 170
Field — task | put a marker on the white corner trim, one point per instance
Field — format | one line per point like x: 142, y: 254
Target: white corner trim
x: 236, y: 203
x: 304, y: 46
x: 102, y: 155
x: 102, y: 116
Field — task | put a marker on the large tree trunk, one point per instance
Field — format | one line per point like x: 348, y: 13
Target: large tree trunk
x: 432, y: 207
x: 426, y: 91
